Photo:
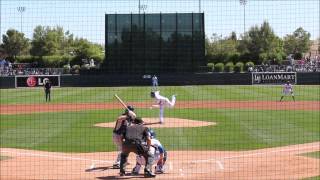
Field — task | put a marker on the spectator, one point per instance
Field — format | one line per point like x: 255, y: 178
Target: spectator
x: 92, y: 63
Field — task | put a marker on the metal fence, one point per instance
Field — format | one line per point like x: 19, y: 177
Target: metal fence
x: 218, y: 131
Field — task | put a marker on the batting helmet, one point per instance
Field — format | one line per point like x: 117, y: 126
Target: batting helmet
x: 152, y: 134
x: 152, y: 94
x: 131, y: 108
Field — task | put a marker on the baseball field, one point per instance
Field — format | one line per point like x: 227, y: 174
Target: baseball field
x: 213, y: 132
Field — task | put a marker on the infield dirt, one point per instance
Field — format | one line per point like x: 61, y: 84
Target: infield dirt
x: 271, y: 163
x: 258, y: 105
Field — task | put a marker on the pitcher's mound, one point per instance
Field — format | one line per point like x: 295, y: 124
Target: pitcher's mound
x: 168, y: 123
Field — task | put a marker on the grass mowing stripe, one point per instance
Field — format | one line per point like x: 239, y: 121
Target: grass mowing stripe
x: 276, y: 128
x: 4, y: 158
x: 66, y: 132
x: 235, y: 130
x: 105, y: 94
x: 313, y: 178
x: 21, y: 95
x: 315, y: 154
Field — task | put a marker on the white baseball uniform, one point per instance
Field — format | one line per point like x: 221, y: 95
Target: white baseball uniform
x: 156, y: 148
x: 164, y: 102
x: 287, y: 89
x: 154, y: 82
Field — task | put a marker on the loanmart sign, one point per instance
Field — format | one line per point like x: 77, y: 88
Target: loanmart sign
x: 273, y: 77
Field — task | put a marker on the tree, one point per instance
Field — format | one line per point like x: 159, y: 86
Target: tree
x: 222, y: 49
x: 38, y: 42
x: 54, y: 40
x: 14, y: 43
x: 67, y: 46
x: 51, y: 41
x: 233, y: 36
x: 298, y: 42
x: 260, y: 44
x: 87, y: 50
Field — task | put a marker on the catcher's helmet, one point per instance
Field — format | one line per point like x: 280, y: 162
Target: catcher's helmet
x: 152, y: 134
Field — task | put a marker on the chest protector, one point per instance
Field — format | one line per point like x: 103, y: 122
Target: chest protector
x: 135, y: 132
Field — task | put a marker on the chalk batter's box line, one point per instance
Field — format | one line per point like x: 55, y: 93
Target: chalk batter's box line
x: 58, y: 157
x: 255, y: 154
x: 215, y: 160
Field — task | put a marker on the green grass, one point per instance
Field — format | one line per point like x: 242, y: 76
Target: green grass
x: 235, y: 130
x: 4, y: 158
x: 313, y: 154
x: 105, y: 94
x: 313, y: 178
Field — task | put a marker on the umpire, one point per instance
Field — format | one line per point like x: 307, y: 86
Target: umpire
x: 137, y: 139
x: 47, y: 90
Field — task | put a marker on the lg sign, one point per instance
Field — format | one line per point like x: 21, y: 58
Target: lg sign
x: 32, y: 81
x: 37, y: 80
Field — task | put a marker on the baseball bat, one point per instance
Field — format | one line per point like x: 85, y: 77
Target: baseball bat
x: 146, y: 124
x: 120, y: 100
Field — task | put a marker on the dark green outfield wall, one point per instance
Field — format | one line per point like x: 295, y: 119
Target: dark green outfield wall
x: 308, y: 78
x: 165, y: 79
x: 7, y: 82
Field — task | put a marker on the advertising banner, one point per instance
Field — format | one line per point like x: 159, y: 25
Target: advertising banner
x: 36, y: 80
x: 273, y: 77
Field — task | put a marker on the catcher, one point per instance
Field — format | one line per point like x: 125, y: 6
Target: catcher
x: 160, y: 156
